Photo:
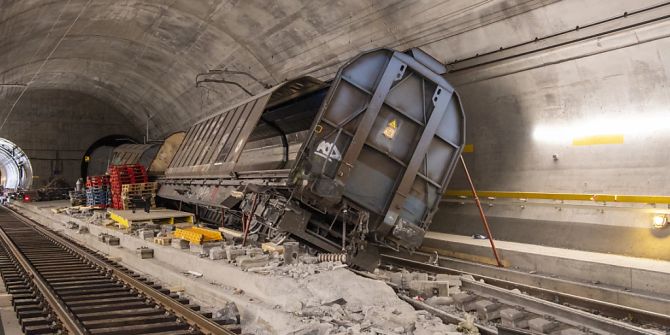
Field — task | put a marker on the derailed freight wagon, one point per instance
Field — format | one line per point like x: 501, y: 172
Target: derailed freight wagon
x: 346, y: 166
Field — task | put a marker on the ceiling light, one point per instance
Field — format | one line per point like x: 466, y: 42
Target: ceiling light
x: 659, y: 221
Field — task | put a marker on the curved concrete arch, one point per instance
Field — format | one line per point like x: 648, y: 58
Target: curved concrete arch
x: 15, y: 168
x: 165, y: 44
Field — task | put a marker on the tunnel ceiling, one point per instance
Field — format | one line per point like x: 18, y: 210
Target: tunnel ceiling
x: 142, y: 56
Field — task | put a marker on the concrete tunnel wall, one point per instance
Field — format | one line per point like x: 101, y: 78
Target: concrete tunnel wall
x: 54, y: 128
x: 523, y: 112
x: 140, y: 58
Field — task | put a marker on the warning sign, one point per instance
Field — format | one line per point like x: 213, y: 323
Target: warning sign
x: 391, y: 128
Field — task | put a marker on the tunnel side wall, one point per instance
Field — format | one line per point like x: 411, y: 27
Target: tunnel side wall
x: 55, y: 127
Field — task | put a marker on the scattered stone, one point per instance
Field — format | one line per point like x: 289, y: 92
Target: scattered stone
x: 291, y: 252
x: 246, y: 262
x: 112, y: 240
x: 145, y: 252
x: 71, y: 225
x: 513, y: 318
x: 204, y: 248
x: 454, y: 280
x: 82, y: 230
x: 270, y: 247
x: 428, y: 288
x: 253, y: 252
x: 179, y: 243
x: 542, y: 325
x: 232, y: 252
x: 194, y: 273
x: 145, y: 234
x: 217, y: 253
x: 227, y: 315
x: 465, y: 301
x: 467, y: 326
x: 440, y: 301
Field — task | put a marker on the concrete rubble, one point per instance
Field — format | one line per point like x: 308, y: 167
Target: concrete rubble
x: 288, y: 290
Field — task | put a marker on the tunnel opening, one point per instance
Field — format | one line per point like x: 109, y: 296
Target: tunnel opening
x: 16, y: 172
x: 99, y: 154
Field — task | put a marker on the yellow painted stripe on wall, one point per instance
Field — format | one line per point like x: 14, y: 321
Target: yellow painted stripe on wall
x: 648, y: 199
x: 468, y: 148
x: 598, y: 139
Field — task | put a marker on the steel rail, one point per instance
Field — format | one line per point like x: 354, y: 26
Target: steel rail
x: 67, y: 319
x: 532, y: 286
x: 538, y: 305
x: 195, y: 319
x: 444, y: 316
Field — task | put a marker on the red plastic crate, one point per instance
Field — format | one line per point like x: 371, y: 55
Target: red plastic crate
x: 125, y: 174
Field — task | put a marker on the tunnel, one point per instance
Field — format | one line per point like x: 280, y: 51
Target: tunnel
x: 16, y: 172
x: 396, y: 167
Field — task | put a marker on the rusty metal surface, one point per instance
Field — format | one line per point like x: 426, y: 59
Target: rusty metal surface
x: 134, y: 153
x: 166, y: 152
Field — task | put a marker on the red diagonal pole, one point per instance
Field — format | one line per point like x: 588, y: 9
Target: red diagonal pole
x: 481, y: 213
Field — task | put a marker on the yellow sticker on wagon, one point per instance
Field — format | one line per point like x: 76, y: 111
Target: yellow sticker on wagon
x: 391, y: 128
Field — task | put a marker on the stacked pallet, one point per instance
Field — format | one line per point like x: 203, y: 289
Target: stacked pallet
x: 125, y: 174
x: 98, y: 191
x: 138, y: 191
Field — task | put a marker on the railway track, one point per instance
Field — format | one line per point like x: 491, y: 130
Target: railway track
x: 502, y: 310
x: 58, y: 286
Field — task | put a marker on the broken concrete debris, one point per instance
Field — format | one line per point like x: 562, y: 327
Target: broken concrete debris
x: 232, y: 252
x: 291, y: 252
x: 145, y: 234
x: 145, y: 252
x: 203, y: 249
x: 179, y: 243
x: 217, y: 253
x: 250, y: 261
x: 109, y: 239
x: 227, y: 315
x: 311, y: 294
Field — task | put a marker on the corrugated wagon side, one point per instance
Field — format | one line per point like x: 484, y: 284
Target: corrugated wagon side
x: 346, y: 165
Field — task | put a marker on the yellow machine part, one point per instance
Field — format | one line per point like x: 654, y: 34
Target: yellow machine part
x: 123, y: 222
x: 198, y: 235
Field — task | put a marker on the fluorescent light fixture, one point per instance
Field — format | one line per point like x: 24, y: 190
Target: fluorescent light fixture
x: 659, y: 221
x: 640, y: 125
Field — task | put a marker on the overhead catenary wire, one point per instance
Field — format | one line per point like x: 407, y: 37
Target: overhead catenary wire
x: 46, y: 60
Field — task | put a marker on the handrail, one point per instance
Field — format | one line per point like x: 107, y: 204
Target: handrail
x: 646, y: 199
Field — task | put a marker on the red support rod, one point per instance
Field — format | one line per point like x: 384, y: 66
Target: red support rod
x: 481, y: 213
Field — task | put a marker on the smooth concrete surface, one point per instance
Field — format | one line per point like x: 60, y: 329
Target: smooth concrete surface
x: 635, y: 274
x: 512, y: 223
x: 55, y: 127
